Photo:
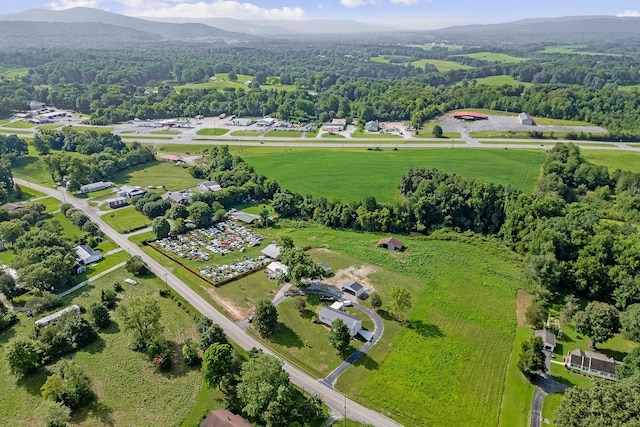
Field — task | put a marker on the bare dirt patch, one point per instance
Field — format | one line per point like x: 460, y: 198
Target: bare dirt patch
x: 358, y: 273
x: 234, y: 311
x: 523, y: 301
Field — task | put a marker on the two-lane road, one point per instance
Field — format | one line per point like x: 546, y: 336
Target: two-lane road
x: 335, y: 400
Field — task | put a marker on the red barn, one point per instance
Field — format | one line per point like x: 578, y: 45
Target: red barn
x: 469, y: 115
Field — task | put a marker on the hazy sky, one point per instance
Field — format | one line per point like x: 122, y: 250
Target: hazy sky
x: 433, y: 13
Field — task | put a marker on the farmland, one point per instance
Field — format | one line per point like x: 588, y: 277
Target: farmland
x: 331, y: 174
x: 158, y: 174
x: 441, y: 65
x: 495, y: 57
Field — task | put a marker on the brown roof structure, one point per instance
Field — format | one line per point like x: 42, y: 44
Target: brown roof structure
x: 391, y: 241
x: 224, y: 418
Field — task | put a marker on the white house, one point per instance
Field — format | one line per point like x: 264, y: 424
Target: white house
x: 209, y: 186
x: 86, y: 255
x: 116, y: 202
x: 131, y: 191
x: 548, y: 338
x: 94, y: 186
x: 329, y: 315
x: 266, y: 122
x: 55, y: 316
x: 592, y: 363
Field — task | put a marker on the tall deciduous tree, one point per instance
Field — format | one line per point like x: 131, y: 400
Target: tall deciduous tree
x: 339, y: 336
x: 532, y: 358
x: 375, y: 300
x: 142, y: 316
x: 265, y: 318
x: 217, y: 363
x: 599, y: 321
x: 161, y: 227
x: 400, y: 300
x: 201, y: 214
x: 536, y: 315
x: 22, y: 357
x: 629, y: 322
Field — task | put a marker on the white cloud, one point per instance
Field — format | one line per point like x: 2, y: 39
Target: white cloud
x: 211, y: 9
x: 405, y: 1
x: 68, y: 4
x: 352, y: 3
x: 630, y: 13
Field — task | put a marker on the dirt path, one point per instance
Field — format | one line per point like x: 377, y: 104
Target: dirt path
x: 234, y: 311
x: 523, y: 301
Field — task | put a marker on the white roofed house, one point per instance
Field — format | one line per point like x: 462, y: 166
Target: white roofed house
x: 592, y: 363
x: 209, y: 186
x: 95, y: 186
x: 86, y: 255
x: 177, y: 197
x: 132, y: 191
x: 277, y: 269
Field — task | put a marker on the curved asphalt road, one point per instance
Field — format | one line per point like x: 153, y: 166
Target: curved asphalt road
x: 333, y: 399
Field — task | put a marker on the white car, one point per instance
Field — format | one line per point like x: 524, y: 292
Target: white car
x: 347, y: 303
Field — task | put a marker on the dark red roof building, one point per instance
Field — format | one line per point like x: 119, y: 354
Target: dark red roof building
x: 391, y: 243
x: 469, y: 115
x: 224, y: 418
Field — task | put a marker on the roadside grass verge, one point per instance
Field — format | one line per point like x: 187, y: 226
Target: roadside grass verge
x: 550, y: 405
x: 246, y: 133
x: 360, y: 134
x: 352, y: 174
x: 167, y: 175
x: 332, y: 135
x: 213, y: 131
x: 284, y: 133
x: 124, y: 219
x: 20, y: 124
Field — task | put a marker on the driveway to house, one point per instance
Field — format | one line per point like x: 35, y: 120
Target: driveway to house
x: 545, y: 384
x: 332, y: 398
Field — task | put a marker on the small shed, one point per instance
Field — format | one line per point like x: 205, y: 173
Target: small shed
x: 391, y: 243
x: 372, y: 126
x: 353, y: 288
x: 525, y: 119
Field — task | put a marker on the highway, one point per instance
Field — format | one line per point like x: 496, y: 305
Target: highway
x: 335, y: 400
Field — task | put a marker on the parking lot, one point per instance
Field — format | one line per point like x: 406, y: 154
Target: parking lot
x: 508, y: 124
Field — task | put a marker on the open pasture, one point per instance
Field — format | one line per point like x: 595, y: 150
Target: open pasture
x: 500, y: 80
x: 168, y: 175
x: 441, y: 65
x: 495, y: 57
x: 613, y: 159
x: 353, y: 174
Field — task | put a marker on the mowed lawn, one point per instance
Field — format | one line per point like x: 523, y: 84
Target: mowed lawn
x: 168, y: 175
x: 449, y: 366
x: 128, y: 388
x: 126, y: 219
x: 353, y: 174
x: 495, y: 57
x: 623, y: 160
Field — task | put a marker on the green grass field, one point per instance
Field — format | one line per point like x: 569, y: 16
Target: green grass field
x: 129, y: 390
x: 49, y: 126
x: 213, y: 131
x: 83, y: 128
x: 432, y: 45
x: 623, y: 160
x: 20, y: 124
x: 573, y: 50
x: 14, y: 131
x: 332, y: 135
x: 441, y: 65
x: 125, y: 219
x: 495, y: 57
x: 360, y: 134
x: 224, y: 82
x: 165, y: 132
x: 518, y: 391
x: 172, y: 177
x: 543, y: 121
x: 500, y: 80
x: 379, y: 59
x: 352, y: 174
x: 550, y: 406
x: 246, y: 133
x: 11, y: 73
x: 312, y: 134
x: 284, y: 133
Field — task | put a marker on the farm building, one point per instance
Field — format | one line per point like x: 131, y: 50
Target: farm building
x: 329, y: 315
x: 247, y: 218
x: 391, y: 243
x: 272, y: 251
x: 470, y: 115
x: 326, y: 270
x: 35, y: 105
x: 224, y: 418
x: 116, y: 202
x: 548, y: 339
x: 55, y: 316
x: 209, y: 186
x: 86, y: 255
x: 177, y: 197
x: 592, y: 363
x: 525, y: 119
x: 336, y: 125
x: 353, y: 288
x: 277, y: 268
x: 95, y: 186
x: 372, y: 126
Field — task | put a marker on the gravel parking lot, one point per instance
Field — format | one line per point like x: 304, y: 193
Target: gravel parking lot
x: 508, y: 123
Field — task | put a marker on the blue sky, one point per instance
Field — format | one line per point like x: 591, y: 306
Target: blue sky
x: 429, y: 13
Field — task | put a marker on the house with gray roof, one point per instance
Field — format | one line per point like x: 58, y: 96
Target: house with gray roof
x: 86, y: 255
x: 329, y: 315
x: 272, y: 251
x: 548, y: 338
x: 353, y: 288
x: 592, y: 363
